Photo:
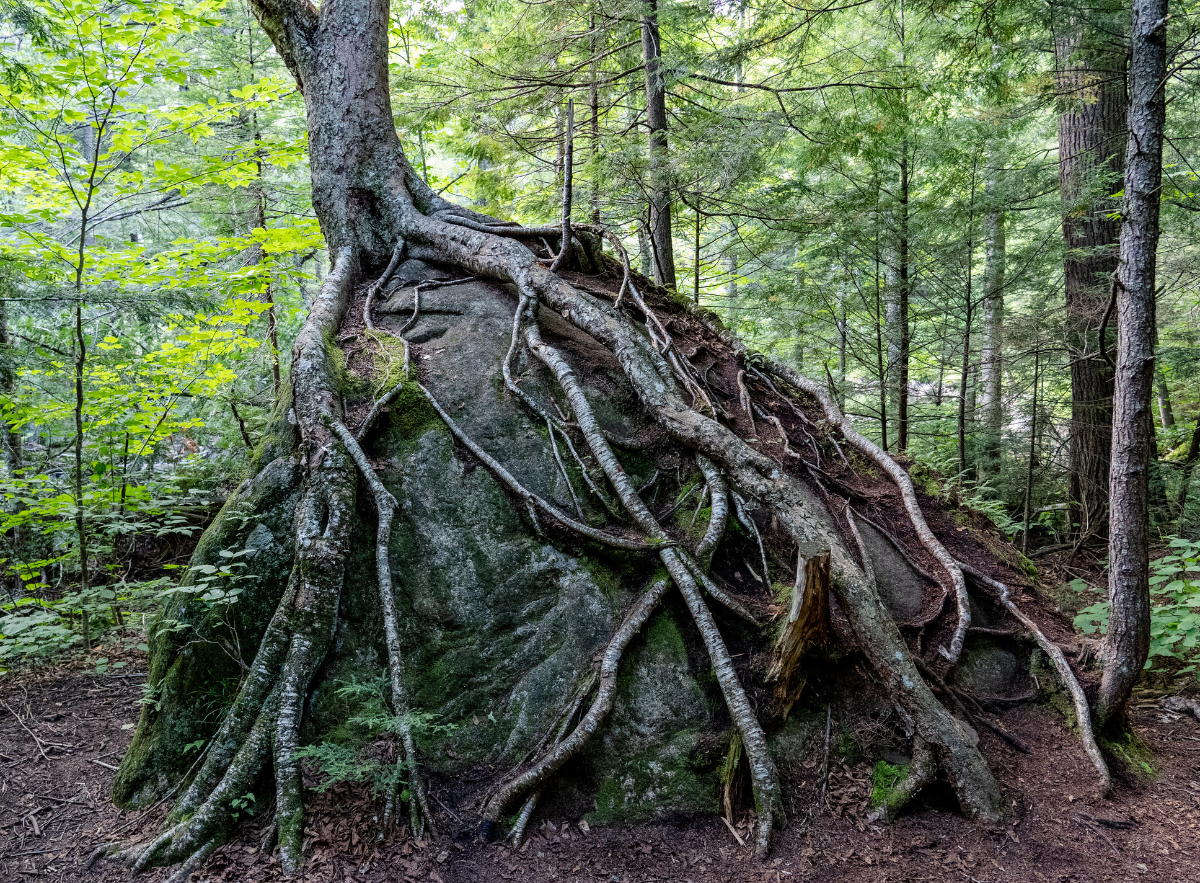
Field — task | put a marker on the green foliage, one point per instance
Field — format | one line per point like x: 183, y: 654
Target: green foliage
x: 884, y: 779
x: 355, y: 756
x: 1174, y: 607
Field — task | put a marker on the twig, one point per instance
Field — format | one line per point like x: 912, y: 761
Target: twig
x: 36, y: 740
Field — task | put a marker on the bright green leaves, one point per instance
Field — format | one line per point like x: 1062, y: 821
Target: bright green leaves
x: 1175, y: 605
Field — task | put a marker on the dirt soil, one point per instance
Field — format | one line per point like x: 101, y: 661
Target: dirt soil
x: 63, y: 729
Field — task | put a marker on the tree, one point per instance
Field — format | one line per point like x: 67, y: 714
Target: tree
x: 1090, y: 71
x: 324, y: 579
x: 661, y: 239
x: 1127, y: 643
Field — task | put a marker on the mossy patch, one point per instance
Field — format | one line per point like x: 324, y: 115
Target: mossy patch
x: 884, y: 779
x: 350, y: 385
x: 1133, y: 752
x: 847, y: 747
x: 656, y: 782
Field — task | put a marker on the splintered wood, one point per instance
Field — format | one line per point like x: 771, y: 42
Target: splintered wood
x: 807, y: 628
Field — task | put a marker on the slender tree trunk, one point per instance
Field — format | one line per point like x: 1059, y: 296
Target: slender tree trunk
x: 594, y: 107
x: 1166, y: 413
x: 1037, y: 365
x: 881, y: 363
x: 1091, y: 137
x: 842, y: 328
x: 660, y: 172
x: 902, y: 318
x: 964, y: 377
x: 8, y: 376
x: 991, y: 347
x: 1127, y: 643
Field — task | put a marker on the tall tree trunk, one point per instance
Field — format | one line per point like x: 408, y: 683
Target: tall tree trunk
x: 882, y: 363
x: 1091, y: 138
x: 1127, y: 643
x: 1037, y: 372
x: 905, y: 290
x: 965, y: 377
x: 660, y: 172
x: 898, y: 286
x: 991, y: 347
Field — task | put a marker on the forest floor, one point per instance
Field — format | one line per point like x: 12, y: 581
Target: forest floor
x: 63, y: 730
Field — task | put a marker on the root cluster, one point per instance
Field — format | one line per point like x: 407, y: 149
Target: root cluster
x: 263, y: 723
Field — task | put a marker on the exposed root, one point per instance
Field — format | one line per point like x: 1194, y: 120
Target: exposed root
x: 1066, y: 677
x: 719, y: 493
x: 745, y: 520
x: 920, y: 773
x: 377, y: 408
x: 907, y: 494
x: 194, y: 862
x: 552, y: 761
x: 533, y: 500
x: 385, y: 505
x: 718, y: 594
x: 563, y: 470
x: 763, y: 774
x: 747, y: 406
x: 518, y: 830
x: 762, y: 768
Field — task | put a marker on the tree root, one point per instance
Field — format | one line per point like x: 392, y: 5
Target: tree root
x: 1066, y: 677
x: 194, y: 862
x: 385, y: 506
x: 533, y: 500
x: 745, y: 520
x: 659, y: 379
x: 553, y: 760
x: 907, y: 494
x: 920, y: 774
x: 762, y: 768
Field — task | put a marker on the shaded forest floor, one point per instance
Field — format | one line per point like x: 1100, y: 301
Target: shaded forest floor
x: 57, y: 763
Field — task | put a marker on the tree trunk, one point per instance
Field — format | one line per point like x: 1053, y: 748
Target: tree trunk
x: 992, y: 345
x: 1091, y: 137
x: 1127, y: 642
x: 662, y: 244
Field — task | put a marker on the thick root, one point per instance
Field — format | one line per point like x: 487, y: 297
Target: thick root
x: 920, y: 773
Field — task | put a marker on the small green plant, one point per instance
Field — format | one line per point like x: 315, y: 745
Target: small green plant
x: 242, y: 804
x: 1174, y: 610
x: 356, y: 757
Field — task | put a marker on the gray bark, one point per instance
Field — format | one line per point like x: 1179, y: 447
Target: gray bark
x: 662, y: 247
x: 1127, y: 643
x: 1091, y: 136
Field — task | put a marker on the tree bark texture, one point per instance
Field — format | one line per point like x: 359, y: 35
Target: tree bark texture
x: 661, y: 241
x: 1127, y: 643
x: 1090, y: 74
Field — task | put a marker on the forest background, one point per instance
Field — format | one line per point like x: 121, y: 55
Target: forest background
x: 914, y: 203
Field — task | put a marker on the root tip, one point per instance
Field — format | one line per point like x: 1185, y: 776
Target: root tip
x: 489, y: 831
